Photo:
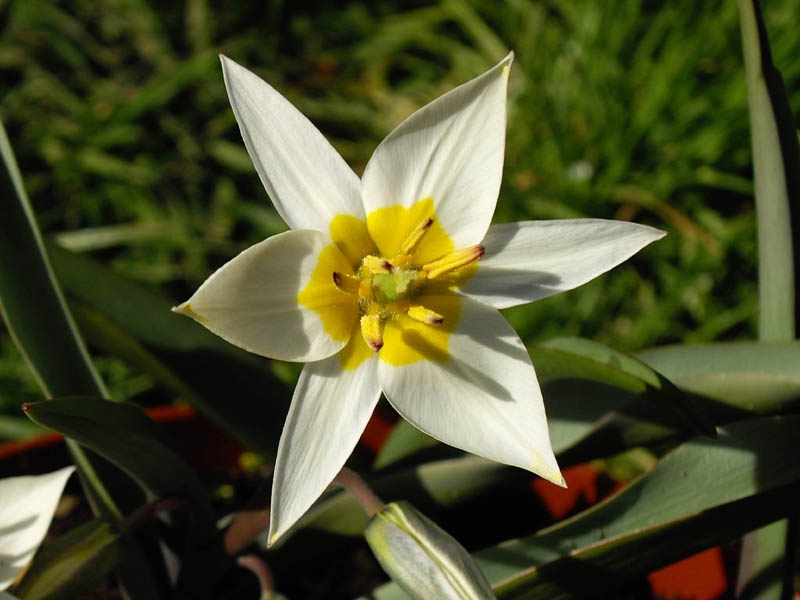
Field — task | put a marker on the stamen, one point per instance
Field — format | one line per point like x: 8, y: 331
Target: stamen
x: 411, y: 243
x: 348, y: 284
x: 454, y: 260
x: 375, y: 264
x: 424, y: 315
x: 372, y: 330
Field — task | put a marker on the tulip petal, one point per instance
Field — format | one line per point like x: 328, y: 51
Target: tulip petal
x: 252, y: 301
x: 27, y: 505
x: 330, y: 409
x: 450, y: 151
x: 530, y: 260
x: 306, y: 178
x: 484, y: 399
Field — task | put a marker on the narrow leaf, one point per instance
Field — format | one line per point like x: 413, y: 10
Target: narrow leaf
x: 73, y: 564
x: 34, y: 310
x: 190, y: 359
x: 751, y: 474
x: 607, y: 365
x: 125, y: 436
x: 752, y: 376
x: 776, y: 173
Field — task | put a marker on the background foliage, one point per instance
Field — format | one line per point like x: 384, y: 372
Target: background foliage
x: 630, y: 110
x: 633, y: 110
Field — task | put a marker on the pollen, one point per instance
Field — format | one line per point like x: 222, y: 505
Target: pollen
x: 398, y: 296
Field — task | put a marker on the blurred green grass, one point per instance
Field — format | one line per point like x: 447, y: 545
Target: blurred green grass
x: 631, y: 110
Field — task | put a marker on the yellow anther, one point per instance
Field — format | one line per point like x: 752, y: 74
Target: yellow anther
x: 454, y: 260
x: 424, y: 315
x: 411, y: 243
x: 375, y: 264
x: 348, y: 284
x: 372, y: 330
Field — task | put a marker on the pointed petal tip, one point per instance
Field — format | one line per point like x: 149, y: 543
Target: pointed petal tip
x: 186, y: 309
x: 227, y: 61
x: 548, y: 470
x: 554, y: 477
x: 272, y: 539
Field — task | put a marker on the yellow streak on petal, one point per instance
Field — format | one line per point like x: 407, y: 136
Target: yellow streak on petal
x: 391, y: 226
x: 186, y: 309
x: 406, y: 340
x: 338, y: 311
x: 355, y: 353
x: 351, y: 236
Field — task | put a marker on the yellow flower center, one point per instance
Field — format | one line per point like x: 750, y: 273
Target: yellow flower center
x: 392, y: 278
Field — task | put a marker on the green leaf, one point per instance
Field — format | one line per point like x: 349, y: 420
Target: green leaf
x: 34, y: 310
x: 624, y: 561
x: 776, y: 166
x: 717, y: 489
x: 37, y: 316
x: 583, y: 382
x: 749, y: 458
x: 757, y: 377
x: 30, y: 299
x: 124, y: 316
x: 776, y: 173
x: 125, y: 436
x: 73, y: 564
x: 14, y: 428
x: 587, y: 359
x: 403, y: 441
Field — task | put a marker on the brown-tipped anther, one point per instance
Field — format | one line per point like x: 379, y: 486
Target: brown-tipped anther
x: 376, y: 264
x: 346, y: 283
x: 411, y: 243
x: 372, y: 331
x: 454, y: 260
x: 424, y: 315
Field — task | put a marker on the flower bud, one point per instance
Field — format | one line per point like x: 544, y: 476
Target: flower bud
x: 421, y: 557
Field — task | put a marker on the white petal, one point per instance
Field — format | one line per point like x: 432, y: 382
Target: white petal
x: 252, y: 301
x: 27, y: 505
x: 530, y: 260
x: 330, y: 409
x: 308, y: 181
x: 451, y: 151
x: 485, y: 399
